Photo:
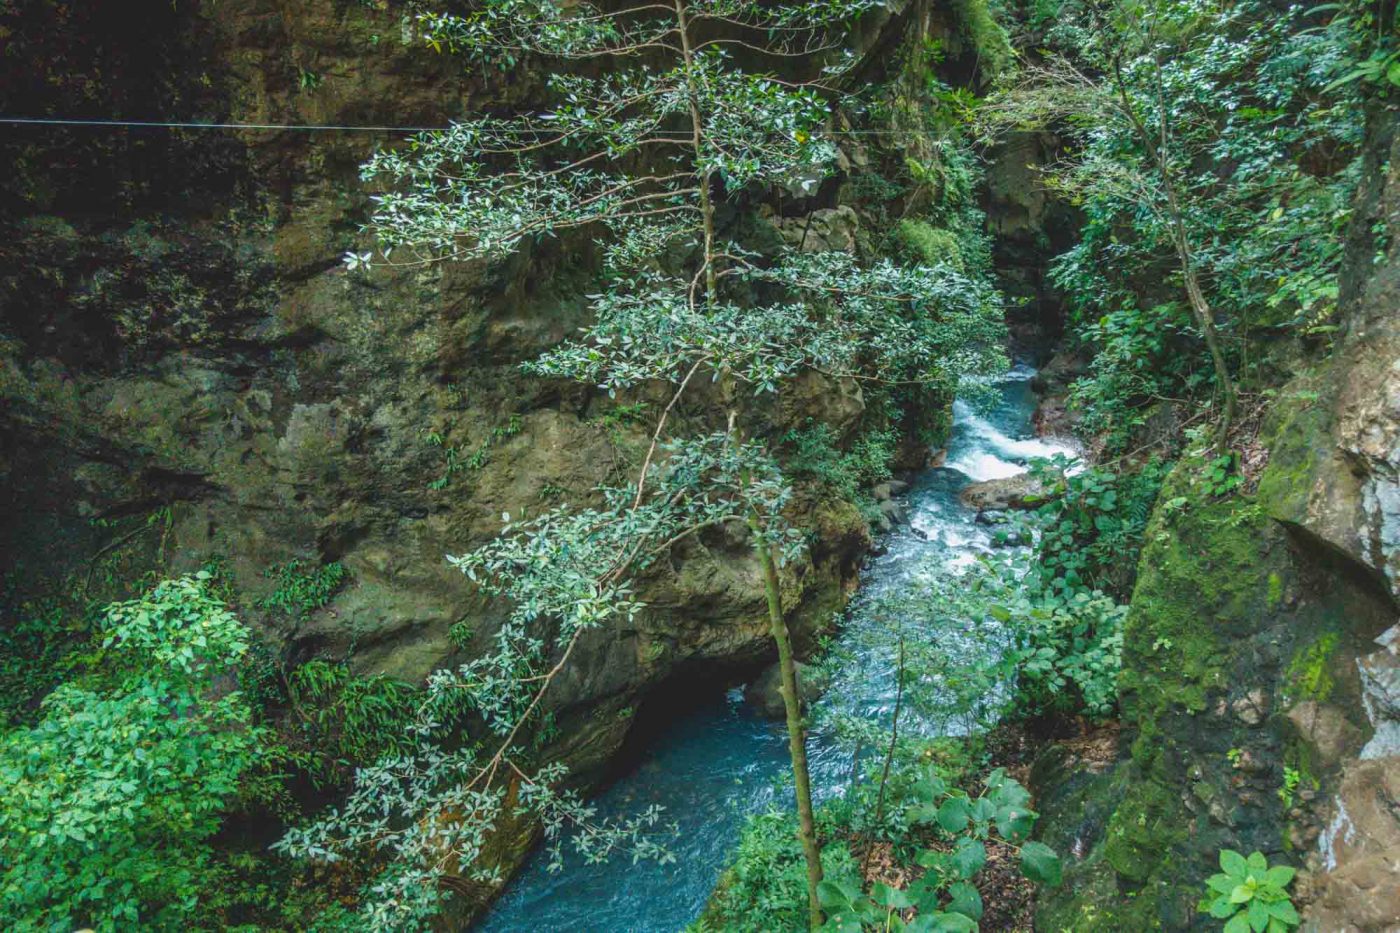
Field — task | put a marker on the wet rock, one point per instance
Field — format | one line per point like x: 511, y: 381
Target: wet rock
x: 764, y: 694
x: 894, y: 511
x: 889, y: 488
x: 1053, y: 418
x: 1327, y: 729
x: 1252, y: 708
x: 1021, y: 491
x: 1361, y: 852
x: 1055, y: 377
x: 822, y: 231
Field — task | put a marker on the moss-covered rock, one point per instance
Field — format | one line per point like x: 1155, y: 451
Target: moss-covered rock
x: 1221, y: 641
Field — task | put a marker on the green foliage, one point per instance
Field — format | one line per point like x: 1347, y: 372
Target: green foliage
x: 1249, y: 895
x: 929, y: 244
x: 1292, y: 777
x: 108, y: 803
x: 1260, y: 179
x: 1377, y: 59
x: 1309, y: 674
x: 1063, y: 602
x: 637, y: 154
x: 765, y: 887
x: 1091, y: 527
x: 987, y: 37
x: 954, y: 828
x: 1221, y: 476
x: 815, y: 454
x: 347, y: 719
x: 302, y: 588
x: 944, y: 830
x: 34, y: 651
x: 1068, y: 654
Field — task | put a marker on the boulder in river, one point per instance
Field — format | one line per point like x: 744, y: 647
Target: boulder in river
x: 764, y: 696
x: 889, y: 488
x: 1022, y: 491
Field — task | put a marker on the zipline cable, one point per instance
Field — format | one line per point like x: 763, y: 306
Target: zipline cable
x: 317, y: 127
x: 54, y: 121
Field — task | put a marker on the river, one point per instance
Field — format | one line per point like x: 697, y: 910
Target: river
x: 720, y: 763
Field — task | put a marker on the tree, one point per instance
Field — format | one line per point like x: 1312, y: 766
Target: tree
x: 1189, y: 125
x: 640, y: 147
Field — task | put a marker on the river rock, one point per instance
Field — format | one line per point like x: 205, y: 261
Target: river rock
x: 1021, y: 491
x: 894, y: 511
x: 1053, y: 418
x: 889, y: 488
x: 765, y: 696
x: 1056, y: 376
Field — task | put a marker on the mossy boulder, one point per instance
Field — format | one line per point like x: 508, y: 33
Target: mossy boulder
x: 1220, y: 643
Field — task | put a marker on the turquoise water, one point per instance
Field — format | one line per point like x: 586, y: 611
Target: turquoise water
x: 719, y: 763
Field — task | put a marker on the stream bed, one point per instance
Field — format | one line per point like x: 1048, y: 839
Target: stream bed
x: 721, y: 763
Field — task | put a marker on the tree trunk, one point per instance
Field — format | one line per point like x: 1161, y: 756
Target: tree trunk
x: 1195, y: 295
x: 797, y: 736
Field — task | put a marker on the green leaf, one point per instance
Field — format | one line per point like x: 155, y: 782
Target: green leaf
x: 1280, y: 876
x: 836, y: 895
x: 1257, y: 863
x: 1220, y: 884
x: 954, y: 814
x: 1039, y: 863
x: 969, y: 855
x: 1241, y: 894
x: 1233, y: 863
x: 965, y: 899
x: 1285, y: 911
x: 1015, y: 822
x: 1257, y: 915
x: 923, y: 813
x: 890, y: 898
x: 953, y: 923
x: 1239, y: 923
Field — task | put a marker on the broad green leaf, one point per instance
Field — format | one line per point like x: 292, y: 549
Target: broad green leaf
x: 1220, y: 884
x: 969, y: 855
x: 965, y: 899
x: 1039, y: 863
x: 954, y: 814
x: 890, y: 898
x: 953, y: 923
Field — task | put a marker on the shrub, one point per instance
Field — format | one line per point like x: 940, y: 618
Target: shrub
x: 1251, y: 896
x: 108, y: 803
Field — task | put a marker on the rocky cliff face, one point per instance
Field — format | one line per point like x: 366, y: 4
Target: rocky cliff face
x: 187, y: 373
x: 1261, y: 661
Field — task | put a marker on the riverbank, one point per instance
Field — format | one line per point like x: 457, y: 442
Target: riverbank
x: 721, y: 764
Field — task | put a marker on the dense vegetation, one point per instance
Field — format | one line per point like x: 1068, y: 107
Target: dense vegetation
x: 1210, y: 154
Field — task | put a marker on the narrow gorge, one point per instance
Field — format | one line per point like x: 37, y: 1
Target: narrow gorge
x: 722, y: 465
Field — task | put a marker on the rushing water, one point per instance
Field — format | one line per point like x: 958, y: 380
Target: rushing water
x: 714, y: 767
